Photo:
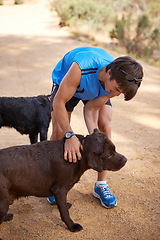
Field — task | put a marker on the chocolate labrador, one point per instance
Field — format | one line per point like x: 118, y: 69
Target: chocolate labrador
x: 28, y: 115
x: 40, y: 170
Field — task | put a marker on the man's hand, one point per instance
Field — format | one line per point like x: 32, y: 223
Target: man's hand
x: 72, y: 149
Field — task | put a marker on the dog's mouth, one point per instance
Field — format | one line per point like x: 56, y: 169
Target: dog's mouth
x: 119, y: 166
x: 113, y: 169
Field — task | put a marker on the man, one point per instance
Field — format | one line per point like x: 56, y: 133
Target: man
x: 93, y: 76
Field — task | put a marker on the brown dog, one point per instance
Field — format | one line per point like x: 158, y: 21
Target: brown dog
x: 40, y: 170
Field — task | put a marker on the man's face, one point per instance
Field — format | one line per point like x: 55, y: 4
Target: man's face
x: 112, y: 87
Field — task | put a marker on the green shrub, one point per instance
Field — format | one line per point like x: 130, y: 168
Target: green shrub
x: 72, y: 12
x: 119, y: 31
x: 135, y: 25
x: 144, y: 42
x: 19, y: 1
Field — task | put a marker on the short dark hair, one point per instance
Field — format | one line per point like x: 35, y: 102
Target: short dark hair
x: 130, y: 66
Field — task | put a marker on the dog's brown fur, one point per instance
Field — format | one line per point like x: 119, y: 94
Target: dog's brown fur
x: 40, y: 170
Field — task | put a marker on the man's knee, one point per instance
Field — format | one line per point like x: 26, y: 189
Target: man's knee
x: 56, y: 131
x: 106, y: 129
x: 56, y: 135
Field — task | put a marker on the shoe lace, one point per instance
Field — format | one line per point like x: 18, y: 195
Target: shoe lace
x: 105, y: 190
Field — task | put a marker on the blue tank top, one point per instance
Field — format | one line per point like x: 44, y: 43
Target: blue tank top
x: 90, y: 60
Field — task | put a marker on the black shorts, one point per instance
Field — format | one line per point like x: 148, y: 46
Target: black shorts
x: 73, y: 101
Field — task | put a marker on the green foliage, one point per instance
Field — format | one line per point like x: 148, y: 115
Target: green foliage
x: 119, y: 31
x: 143, y: 24
x: 16, y: 2
x: 19, y: 1
x: 72, y: 12
x: 144, y: 42
x: 134, y: 24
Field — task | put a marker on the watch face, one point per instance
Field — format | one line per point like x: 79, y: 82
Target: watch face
x: 68, y: 135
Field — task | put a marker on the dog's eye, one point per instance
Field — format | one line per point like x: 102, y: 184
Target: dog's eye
x: 110, y: 155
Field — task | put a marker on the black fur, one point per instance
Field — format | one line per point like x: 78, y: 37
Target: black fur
x: 28, y: 115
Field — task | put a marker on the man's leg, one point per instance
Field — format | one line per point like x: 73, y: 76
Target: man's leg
x: 56, y: 134
x: 101, y: 189
x: 104, y: 124
x: 56, y: 130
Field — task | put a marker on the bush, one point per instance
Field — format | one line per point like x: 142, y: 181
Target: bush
x: 135, y: 25
x: 144, y: 43
x: 19, y: 1
x: 72, y: 12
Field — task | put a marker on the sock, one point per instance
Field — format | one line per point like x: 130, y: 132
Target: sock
x: 100, y: 183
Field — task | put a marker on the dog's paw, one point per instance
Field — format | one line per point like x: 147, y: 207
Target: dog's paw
x: 76, y: 227
x: 8, y: 217
x: 69, y: 205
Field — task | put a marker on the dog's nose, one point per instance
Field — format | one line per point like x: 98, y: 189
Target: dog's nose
x: 124, y: 160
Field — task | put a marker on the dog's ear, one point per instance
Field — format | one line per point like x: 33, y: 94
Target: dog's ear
x: 96, y: 130
x: 94, y: 142
x: 93, y: 149
x: 80, y: 137
x: 93, y: 145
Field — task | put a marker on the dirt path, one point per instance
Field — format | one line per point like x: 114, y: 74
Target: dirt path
x: 31, y: 43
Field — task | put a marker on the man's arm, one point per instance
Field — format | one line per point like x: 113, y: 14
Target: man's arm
x: 91, y: 111
x: 65, y: 92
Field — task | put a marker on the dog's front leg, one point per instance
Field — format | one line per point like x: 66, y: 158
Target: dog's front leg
x: 43, y: 134
x: 33, y: 137
x: 4, y: 206
x: 60, y: 196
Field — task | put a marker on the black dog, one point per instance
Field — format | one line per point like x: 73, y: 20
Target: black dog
x: 40, y: 170
x: 28, y: 115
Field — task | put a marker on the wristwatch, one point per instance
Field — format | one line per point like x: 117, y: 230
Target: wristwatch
x: 68, y: 135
